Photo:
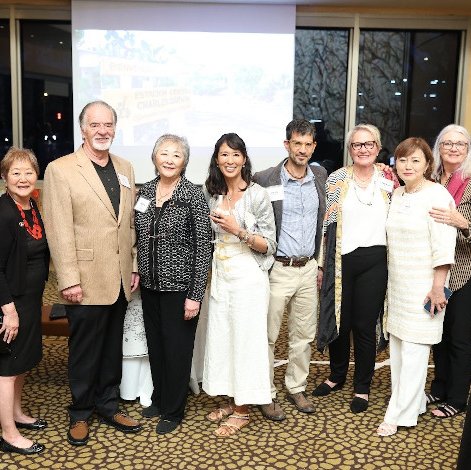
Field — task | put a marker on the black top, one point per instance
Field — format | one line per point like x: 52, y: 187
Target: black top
x: 13, y: 250
x: 110, y: 181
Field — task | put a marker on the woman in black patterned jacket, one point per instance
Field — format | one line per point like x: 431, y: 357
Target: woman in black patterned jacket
x: 173, y: 252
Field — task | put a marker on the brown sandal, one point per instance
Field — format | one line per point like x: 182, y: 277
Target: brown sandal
x: 229, y: 429
x: 218, y: 415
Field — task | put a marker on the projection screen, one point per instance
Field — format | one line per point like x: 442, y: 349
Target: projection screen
x: 198, y: 70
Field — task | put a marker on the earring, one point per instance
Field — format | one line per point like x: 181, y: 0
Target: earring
x: 243, y: 166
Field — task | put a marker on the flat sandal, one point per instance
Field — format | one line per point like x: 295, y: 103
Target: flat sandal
x: 220, y: 413
x: 447, y: 410
x: 386, y: 429
x: 233, y: 428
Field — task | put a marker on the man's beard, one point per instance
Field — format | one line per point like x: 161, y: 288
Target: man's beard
x: 102, y: 146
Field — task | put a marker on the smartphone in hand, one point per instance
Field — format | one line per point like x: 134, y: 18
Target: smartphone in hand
x: 448, y: 293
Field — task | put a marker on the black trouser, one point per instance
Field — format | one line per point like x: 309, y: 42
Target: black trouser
x: 452, y: 356
x: 95, y: 357
x: 170, y: 340
x: 364, y: 280
x: 464, y: 457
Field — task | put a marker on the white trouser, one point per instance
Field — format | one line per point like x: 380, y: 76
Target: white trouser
x: 409, y: 362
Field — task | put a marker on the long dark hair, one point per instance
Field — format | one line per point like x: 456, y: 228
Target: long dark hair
x: 215, y: 183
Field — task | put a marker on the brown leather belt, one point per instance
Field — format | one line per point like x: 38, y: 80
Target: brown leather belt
x: 295, y: 261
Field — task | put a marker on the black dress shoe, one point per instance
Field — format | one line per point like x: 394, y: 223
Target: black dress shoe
x: 36, y: 426
x: 34, y: 449
x: 165, y: 426
x: 358, y: 405
x: 122, y: 422
x: 324, y: 389
x: 150, y: 412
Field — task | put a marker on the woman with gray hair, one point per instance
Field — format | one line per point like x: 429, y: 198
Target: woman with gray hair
x: 173, y: 253
x: 452, y: 357
x: 355, y: 264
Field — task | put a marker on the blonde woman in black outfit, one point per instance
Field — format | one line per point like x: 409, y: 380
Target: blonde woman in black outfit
x: 24, y: 264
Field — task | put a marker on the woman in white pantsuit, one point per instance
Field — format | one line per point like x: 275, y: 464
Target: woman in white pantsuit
x: 236, y: 356
x: 420, y: 251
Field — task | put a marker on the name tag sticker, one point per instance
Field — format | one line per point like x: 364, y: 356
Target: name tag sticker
x: 124, y: 180
x: 386, y: 185
x: 142, y: 204
x: 276, y: 193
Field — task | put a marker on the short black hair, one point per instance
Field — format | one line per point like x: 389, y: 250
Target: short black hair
x: 300, y: 126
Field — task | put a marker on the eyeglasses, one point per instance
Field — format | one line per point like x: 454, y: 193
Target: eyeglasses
x: 369, y: 144
x: 297, y: 145
x: 448, y: 145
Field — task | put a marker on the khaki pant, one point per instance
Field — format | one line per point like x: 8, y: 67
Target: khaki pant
x: 295, y: 290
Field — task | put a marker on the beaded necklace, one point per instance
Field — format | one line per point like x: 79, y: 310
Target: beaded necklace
x: 35, y: 231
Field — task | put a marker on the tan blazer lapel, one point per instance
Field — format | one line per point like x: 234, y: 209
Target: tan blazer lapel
x: 90, y: 175
x: 124, y: 192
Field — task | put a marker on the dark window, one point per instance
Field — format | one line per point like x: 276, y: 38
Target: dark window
x: 320, y: 85
x: 6, y: 138
x: 407, y: 82
x: 47, y: 89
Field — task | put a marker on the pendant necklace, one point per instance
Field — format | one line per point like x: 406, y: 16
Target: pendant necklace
x: 161, y: 197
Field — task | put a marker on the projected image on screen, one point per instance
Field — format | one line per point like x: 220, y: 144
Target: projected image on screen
x: 196, y: 84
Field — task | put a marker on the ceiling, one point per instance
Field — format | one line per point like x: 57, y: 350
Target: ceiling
x: 433, y: 6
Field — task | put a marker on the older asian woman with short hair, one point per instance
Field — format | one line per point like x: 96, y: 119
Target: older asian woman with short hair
x: 452, y: 357
x: 420, y: 252
x: 354, y: 265
x: 24, y: 266
x: 174, y: 252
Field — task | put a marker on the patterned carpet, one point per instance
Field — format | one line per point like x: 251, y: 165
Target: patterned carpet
x: 332, y: 438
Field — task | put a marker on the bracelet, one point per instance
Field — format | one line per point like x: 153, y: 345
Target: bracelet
x: 240, y: 234
x: 251, y: 240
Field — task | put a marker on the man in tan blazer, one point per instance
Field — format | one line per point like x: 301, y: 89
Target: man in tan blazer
x: 88, y: 202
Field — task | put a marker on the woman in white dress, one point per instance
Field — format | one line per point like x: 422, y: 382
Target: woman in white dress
x: 236, y: 356
x: 420, y: 251
x: 136, y: 380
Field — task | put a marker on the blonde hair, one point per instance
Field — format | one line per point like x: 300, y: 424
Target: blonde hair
x: 373, y: 130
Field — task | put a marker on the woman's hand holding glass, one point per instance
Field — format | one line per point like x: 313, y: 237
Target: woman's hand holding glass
x: 226, y: 221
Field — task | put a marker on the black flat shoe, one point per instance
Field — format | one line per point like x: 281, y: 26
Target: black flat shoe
x: 34, y: 449
x: 324, y: 389
x: 150, y: 412
x: 358, y: 405
x: 165, y: 426
x: 36, y: 426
